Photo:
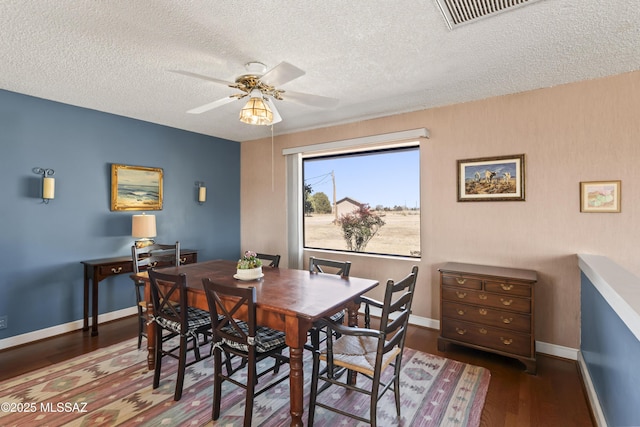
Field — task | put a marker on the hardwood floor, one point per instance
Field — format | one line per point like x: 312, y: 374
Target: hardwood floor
x: 553, y: 397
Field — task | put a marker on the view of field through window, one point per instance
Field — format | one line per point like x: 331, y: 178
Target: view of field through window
x: 363, y: 202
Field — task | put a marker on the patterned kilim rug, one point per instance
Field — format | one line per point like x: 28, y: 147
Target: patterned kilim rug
x: 112, y: 386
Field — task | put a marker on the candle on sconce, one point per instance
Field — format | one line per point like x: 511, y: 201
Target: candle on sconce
x: 48, y: 188
x: 202, y: 194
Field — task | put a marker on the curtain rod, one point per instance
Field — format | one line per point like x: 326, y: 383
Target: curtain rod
x: 364, y: 140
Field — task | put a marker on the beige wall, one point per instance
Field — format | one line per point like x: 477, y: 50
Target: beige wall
x: 578, y: 132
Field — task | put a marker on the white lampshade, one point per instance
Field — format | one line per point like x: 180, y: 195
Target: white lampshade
x: 48, y: 188
x: 143, y: 226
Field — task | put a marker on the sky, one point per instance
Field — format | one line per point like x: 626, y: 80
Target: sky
x: 387, y: 178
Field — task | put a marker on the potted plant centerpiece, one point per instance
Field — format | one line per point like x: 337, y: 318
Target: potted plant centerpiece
x: 249, y: 267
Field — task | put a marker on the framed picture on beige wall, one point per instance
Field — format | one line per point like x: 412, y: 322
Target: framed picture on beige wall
x: 136, y: 188
x: 600, y: 196
x: 491, y: 179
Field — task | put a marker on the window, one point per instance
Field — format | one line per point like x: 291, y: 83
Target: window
x: 363, y: 202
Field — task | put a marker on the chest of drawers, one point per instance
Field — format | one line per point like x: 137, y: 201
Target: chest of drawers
x: 489, y: 308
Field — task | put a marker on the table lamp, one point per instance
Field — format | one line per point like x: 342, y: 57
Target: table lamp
x: 143, y: 227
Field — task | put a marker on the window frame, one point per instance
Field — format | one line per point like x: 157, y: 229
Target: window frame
x: 354, y: 152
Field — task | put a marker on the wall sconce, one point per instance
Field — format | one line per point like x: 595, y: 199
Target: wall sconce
x: 202, y: 192
x: 48, y: 184
x: 143, y: 227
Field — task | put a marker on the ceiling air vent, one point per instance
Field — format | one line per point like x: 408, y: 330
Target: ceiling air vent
x: 458, y: 12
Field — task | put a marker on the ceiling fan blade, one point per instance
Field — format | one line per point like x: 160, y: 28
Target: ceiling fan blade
x: 311, y: 100
x: 276, y: 115
x: 281, y: 74
x: 212, y: 105
x: 200, y: 76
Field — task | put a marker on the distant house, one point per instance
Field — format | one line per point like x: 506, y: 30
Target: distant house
x: 347, y: 205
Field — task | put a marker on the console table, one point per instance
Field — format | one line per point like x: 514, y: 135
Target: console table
x: 96, y: 270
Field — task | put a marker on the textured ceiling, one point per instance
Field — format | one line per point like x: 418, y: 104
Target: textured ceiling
x: 378, y: 57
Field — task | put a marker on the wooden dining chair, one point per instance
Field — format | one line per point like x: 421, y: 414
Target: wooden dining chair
x: 327, y: 266
x: 245, y: 339
x: 322, y: 265
x: 366, y: 351
x: 148, y: 257
x: 273, y: 260
x: 179, y: 320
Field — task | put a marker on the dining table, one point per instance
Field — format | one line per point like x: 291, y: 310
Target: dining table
x: 288, y: 300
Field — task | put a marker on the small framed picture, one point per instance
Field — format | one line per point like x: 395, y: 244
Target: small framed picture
x: 600, y: 196
x: 491, y: 179
x: 136, y: 188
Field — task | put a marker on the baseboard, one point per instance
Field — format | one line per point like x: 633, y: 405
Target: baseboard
x: 62, y: 329
x: 541, y: 347
x: 557, y: 350
x: 424, y: 322
x: 596, y: 409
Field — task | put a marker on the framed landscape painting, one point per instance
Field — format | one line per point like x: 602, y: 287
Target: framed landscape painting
x: 136, y: 188
x: 600, y: 196
x: 491, y: 179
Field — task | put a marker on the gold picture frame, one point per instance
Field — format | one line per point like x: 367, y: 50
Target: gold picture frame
x: 136, y: 188
x: 492, y: 179
x: 600, y: 196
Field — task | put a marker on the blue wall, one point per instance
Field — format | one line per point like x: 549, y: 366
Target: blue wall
x: 610, y: 351
x: 41, y: 282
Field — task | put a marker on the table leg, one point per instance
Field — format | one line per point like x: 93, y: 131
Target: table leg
x: 296, y: 385
x: 85, y: 322
x: 296, y: 336
x: 352, y: 320
x: 151, y: 331
x: 94, y: 305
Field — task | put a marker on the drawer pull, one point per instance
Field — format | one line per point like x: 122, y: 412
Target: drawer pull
x: 461, y: 331
x: 483, y: 311
x: 460, y: 281
x: 116, y: 270
x: 183, y: 260
x: 506, y: 320
x: 482, y: 331
x: 507, y: 302
x: 461, y: 312
x: 461, y: 294
x: 506, y: 287
x: 482, y: 296
x: 153, y: 264
x: 506, y: 341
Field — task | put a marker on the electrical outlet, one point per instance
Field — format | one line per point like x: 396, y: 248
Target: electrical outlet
x: 3, y: 322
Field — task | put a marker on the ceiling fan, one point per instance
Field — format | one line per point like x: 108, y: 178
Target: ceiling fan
x: 262, y: 87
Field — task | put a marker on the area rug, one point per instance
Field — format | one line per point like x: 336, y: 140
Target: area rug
x: 112, y: 387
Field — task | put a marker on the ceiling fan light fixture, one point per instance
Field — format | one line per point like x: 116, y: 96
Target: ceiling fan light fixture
x: 256, y: 111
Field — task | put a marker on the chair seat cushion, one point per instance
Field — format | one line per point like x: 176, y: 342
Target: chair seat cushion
x: 359, y: 353
x: 337, y: 318
x: 266, y: 339
x: 197, y: 319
